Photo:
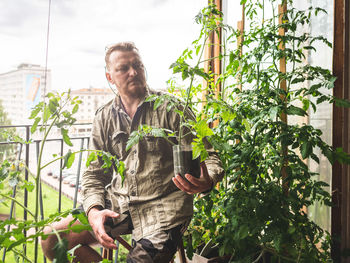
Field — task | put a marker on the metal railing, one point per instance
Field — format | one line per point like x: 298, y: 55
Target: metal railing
x: 26, y: 148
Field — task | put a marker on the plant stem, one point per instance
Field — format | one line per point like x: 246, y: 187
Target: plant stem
x: 17, y: 202
x: 21, y: 254
x: 189, y: 90
x: 37, y: 183
x: 61, y: 157
x: 260, y: 255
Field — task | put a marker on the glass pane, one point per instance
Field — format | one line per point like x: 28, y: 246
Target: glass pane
x: 322, y: 119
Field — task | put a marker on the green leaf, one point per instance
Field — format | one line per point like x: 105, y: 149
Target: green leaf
x: 60, y: 250
x: 35, y: 112
x: 80, y: 215
x: 322, y: 99
x: 67, y: 158
x: 306, y: 104
x: 121, y: 169
x: 46, y: 114
x: 203, y: 129
x: 298, y: 80
x: 196, y: 150
x: 92, y: 157
x: 273, y: 113
x: 243, y: 232
x: 292, y: 110
x: 65, y: 136
x: 35, y: 124
x: 79, y: 228
x: 28, y: 185
x: 201, y: 73
x: 157, y: 103
x: 198, y: 48
x: 107, y: 162
x: 75, y: 108
x: 315, y: 157
x: 310, y: 48
x: 53, y: 106
x: 232, y: 57
x: 246, y: 124
x: 70, y: 160
x: 134, y: 138
x: 306, y: 149
x: 227, y: 116
x: 342, y: 103
x: 158, y: 132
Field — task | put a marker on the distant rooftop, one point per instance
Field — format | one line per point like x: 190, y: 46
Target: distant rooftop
x: 28, y: 65
x: 91, y: 90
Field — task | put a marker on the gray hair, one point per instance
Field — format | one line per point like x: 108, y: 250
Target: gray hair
x: 121, y: 46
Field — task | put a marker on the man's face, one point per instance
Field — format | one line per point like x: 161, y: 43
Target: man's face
x: 127, y: 73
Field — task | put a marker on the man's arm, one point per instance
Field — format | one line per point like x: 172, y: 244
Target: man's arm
x: 97, y: 217
x: 95, y: 179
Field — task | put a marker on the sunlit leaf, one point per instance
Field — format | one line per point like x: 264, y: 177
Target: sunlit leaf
x: 75, y: 108
x: 203, y: 129
x: 46, y: 114
x: 70, y: 160
x: 65, y: 136
x: 134, y: 138
x: 66, y: 159
x: 92, y: 157
x: 79, y: 228
x: 35, y: 124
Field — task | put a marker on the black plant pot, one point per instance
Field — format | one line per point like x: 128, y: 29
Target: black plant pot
x: 184, y: 163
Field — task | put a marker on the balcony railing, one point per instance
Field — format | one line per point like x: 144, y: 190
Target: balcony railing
x: 27, y: 151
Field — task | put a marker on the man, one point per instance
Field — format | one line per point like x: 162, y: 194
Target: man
x: 151, y: 203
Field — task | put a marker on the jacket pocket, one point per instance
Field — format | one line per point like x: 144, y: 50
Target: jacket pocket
x: 119, y: 141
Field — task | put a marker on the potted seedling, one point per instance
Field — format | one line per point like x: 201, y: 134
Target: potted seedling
x: 189, y: 140
x: 184, y: 158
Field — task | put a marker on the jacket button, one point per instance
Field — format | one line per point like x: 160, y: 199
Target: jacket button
x: 133, y: 193
x: 132, y: 171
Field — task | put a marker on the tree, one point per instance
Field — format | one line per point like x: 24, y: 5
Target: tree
x: 8, y: 149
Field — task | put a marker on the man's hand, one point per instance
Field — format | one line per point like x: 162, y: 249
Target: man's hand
x: 97, y: 218
x: 194, y: 185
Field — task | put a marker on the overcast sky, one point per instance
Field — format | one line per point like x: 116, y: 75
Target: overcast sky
x: 81, y: 29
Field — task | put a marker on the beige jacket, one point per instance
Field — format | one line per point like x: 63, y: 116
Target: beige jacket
x: 148, y: 193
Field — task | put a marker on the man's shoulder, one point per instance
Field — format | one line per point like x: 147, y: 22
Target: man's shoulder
x: 105, y: 108
x: 164, y: 96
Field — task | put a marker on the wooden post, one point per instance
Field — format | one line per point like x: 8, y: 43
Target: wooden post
x: 282, y: 9
x: 213, y: 61
x: 217, y: 52
x: 240, y: 27
x: 340, y: 224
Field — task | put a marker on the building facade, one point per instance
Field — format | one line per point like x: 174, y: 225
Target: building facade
x: 92, y: 99
x: 22, y: 89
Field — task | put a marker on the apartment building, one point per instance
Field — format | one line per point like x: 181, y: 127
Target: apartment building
x: 92, y: 99
x: 21, y: 89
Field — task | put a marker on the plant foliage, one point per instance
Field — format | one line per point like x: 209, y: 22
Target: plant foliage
x: 57, y: 112
x: 259, y: 210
